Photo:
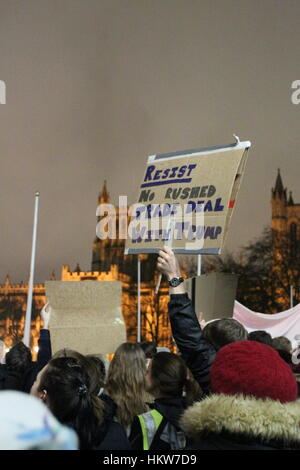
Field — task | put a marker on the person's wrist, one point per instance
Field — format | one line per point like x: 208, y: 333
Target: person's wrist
x: 173, y: 274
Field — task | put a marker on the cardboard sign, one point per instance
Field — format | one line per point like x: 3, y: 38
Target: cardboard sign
x: 186, y: 200
x: 86, y: 316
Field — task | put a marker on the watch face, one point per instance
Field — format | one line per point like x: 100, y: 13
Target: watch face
x: 175, y: 282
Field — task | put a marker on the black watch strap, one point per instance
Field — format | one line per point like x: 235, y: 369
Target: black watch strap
x: 175, y: 281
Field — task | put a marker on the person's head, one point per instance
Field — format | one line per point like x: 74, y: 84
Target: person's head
x: 18, y: 358
x: 260, y: 336
x: 168, y: 377
x: 252, y: 369
x: 90, y: 366
x: 282, y: 343
x: 125, y: 382
x: 149, y: 349
x: 224, y: 331
x: 63, y: 385
x: 208, y: 331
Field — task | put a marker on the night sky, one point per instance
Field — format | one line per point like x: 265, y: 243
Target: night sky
x: 95, y: 86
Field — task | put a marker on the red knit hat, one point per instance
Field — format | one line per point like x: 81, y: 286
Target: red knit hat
x: 252, y: 368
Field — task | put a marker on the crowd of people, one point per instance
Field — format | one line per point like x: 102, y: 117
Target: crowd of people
x: 224, y: 390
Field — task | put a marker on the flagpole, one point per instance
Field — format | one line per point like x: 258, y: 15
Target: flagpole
x: 199, y: 266
x: 139, y: 299
x: 26, y: 338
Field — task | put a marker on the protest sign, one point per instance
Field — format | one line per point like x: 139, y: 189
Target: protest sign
x: 86, y: 315
x: 190, y: 194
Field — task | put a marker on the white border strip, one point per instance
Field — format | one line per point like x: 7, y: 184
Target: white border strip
x: 239, y: 146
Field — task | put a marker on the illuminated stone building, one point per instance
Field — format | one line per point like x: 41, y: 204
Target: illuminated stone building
x: 108, y: 264
x: 286, y: 242
x: 13, y: 300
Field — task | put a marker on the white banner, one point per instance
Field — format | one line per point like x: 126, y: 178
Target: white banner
x: 285, y: 323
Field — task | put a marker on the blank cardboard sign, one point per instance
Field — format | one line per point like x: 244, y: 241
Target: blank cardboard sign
x: 213, y: 294
x: 86, y: 316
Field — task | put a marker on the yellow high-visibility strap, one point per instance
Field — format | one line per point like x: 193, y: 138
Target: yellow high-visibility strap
x: 144, y: 432
x: 150, y: 423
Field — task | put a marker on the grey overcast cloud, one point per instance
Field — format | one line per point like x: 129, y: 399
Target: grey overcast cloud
x: 93, y: 87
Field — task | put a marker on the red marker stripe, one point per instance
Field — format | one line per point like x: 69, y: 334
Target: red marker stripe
x: 231, y: 204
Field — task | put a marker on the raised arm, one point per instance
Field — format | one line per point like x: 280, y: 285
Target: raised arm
x: 44, y: 343
x: 196, y: 351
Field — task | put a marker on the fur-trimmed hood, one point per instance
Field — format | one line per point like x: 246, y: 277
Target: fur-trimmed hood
x: 264, y: 420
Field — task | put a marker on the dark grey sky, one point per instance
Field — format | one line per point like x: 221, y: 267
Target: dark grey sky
x: 95, y: 86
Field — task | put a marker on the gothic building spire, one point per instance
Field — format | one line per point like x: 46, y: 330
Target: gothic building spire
x: 279, y: 205
x: 279, y: 189
x: 291, y: 200
x: 104, y: 195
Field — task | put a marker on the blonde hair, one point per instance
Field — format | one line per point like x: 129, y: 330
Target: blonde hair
x: 126, y: 382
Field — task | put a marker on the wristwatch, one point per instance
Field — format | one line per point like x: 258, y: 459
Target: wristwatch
x: 175, y: 281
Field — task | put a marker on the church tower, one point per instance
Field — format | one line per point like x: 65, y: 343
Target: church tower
x: 101, y: 247
x: 293, y: 230
x: 286, y: 217
x: 285, y: 242
x: 109, y: 251
x: 279, y: 206
x: 103, y: 197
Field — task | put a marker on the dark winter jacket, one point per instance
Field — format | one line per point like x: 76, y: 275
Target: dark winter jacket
x: 197, y: 353
x: 112, y: 435
x: 172, y: 410
x: 44, y: 356
x: 224, y: 422
x: 9, y: 380
x: 110, y: 406
x: 12, y: 380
